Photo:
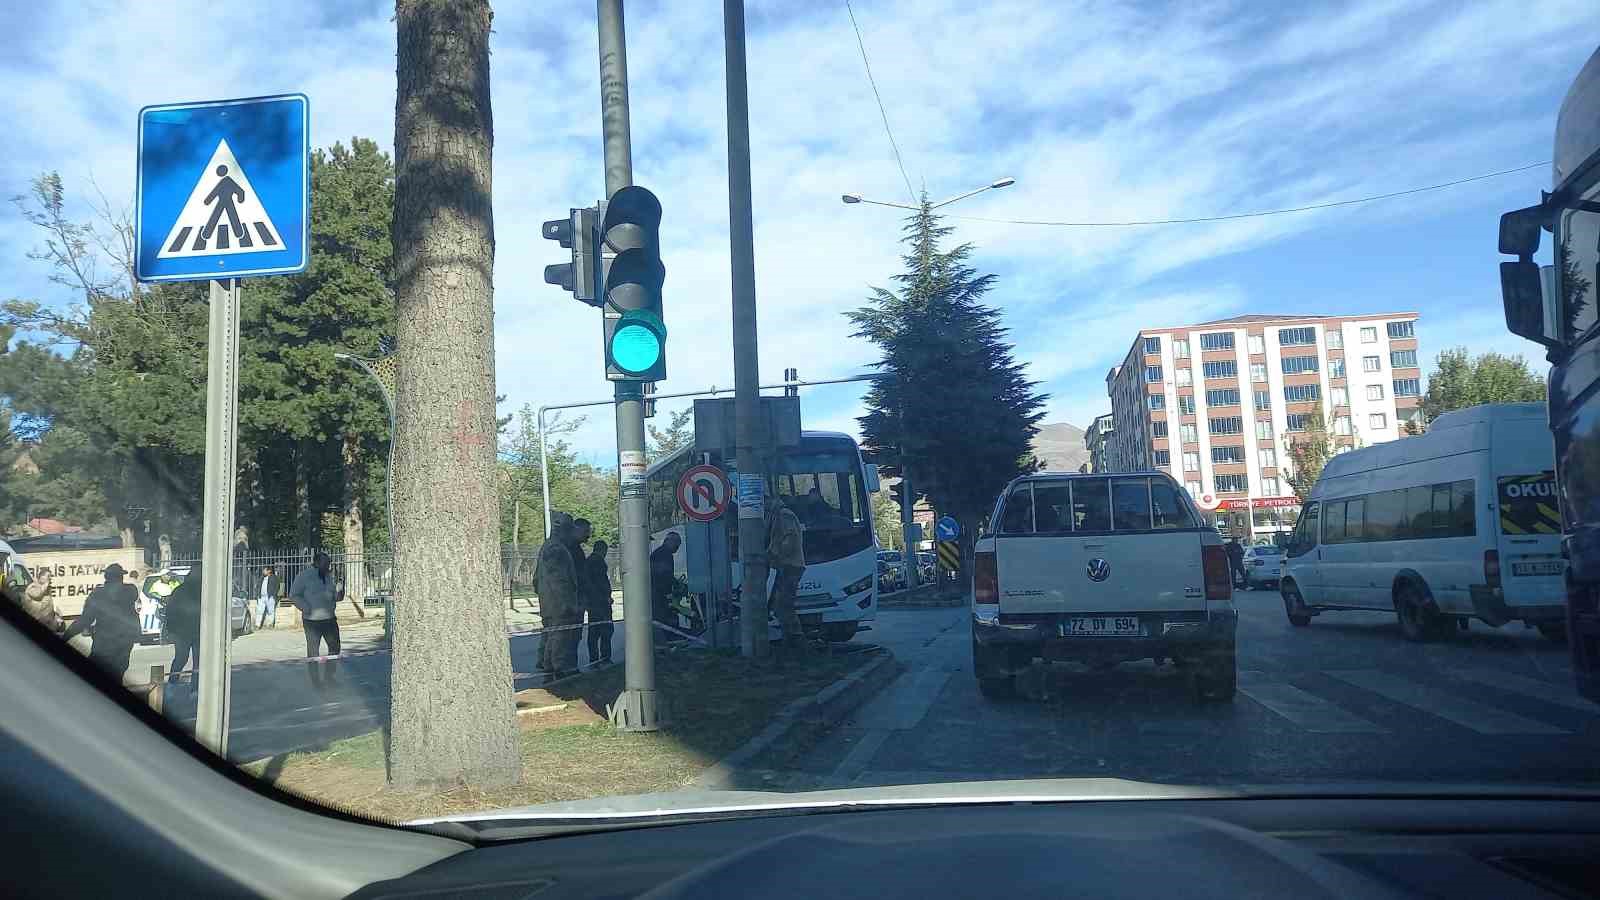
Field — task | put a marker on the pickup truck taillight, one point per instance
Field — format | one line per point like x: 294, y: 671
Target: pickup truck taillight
x: 985, y: 578
x: 1218, y: 574
x: 1491, y: 568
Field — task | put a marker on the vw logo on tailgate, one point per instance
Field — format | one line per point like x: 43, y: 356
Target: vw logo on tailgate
x: 1099, y: 569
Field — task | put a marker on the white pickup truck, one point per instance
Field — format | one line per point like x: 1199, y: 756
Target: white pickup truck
x: 1101, y: 569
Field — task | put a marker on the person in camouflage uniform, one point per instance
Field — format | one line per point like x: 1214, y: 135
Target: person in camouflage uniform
x: 560, y: 602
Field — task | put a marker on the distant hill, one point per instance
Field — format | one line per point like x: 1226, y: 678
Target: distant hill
x: 1061, y: 447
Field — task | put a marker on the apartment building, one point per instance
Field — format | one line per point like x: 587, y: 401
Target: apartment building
x: 1217, y: 404
x: 1094, y: 440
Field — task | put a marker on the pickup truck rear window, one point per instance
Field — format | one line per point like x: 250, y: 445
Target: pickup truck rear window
x: 1095, y: 505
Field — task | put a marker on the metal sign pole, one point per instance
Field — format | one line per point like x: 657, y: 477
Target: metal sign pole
x: 213, y: 672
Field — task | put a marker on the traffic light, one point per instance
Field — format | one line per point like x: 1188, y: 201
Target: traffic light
x: 897, y: 493
x: 635, y: 332
x: 582, y: 276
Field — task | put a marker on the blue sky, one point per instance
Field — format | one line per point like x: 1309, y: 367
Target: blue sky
x: 1100, y: 110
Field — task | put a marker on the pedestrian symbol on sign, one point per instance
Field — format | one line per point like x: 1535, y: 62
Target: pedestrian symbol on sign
x: 222, y: 191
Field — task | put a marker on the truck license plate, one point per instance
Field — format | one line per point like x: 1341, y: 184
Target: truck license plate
x: 1101, y: 626
x: 1545, y: 567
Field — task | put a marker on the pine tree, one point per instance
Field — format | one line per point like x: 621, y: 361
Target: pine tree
x: 951, y: 404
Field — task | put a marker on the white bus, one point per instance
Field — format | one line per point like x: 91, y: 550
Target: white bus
x: 828, y: 486
x: 1455, y: 524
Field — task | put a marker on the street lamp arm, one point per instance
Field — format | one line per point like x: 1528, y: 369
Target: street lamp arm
x: 883, y: 203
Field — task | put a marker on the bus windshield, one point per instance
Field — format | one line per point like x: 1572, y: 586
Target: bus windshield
x: 825, y: 490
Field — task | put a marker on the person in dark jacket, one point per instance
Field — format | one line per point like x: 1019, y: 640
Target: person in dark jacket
x: 111, y: 617
x: 662, y: 576
x: 183, y: 623
x: 598, y: 584
x: 1236, y: 561
x: 560, y: 603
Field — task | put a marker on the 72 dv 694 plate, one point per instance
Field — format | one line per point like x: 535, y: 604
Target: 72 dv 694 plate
x: 1102, y: 626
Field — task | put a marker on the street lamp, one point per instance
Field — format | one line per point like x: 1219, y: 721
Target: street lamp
x: 991, y: 186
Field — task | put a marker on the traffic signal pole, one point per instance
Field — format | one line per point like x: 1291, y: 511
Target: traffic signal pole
x: 748, y: 438
x: 636, y: 709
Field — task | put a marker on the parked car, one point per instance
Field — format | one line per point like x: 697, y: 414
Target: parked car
x: 892, y: 574
x: 1460, y: 523
x: 152, y: 608
x: 1101, y: 570
x: 927, y: 567
x: 1262, y: 563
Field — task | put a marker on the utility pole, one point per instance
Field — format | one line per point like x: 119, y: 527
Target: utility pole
x: 636, y: 709
x: 213, y: 676
x: 749, y: 445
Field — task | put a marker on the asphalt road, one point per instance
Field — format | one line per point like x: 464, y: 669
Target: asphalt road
x: 1345, y: 699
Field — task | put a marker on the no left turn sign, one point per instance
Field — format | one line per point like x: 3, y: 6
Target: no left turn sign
x: 703, y: 493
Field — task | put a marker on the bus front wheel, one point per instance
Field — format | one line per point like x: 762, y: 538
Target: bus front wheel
x: 839, y: 632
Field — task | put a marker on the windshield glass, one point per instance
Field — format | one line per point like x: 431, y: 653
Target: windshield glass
x: 1123, y: 383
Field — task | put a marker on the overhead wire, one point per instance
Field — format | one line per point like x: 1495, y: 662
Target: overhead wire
x: 1253, y: 215
x: 893, y: 145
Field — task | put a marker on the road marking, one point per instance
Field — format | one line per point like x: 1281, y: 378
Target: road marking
x: 1544, y: 691
x: 855, y: 762
x: 1308, y: 711
x: 1444, y: 704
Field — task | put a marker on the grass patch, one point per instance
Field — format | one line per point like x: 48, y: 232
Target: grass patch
x: 715, y: 703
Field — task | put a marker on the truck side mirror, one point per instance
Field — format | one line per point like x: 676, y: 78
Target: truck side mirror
x: 1523, y: 296
x: 1519, y: 231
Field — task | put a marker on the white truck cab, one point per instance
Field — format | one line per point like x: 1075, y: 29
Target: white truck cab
x: 1101, y: 569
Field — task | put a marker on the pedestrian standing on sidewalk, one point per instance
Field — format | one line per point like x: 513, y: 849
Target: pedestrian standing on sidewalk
x: 183, y: 623
x: 597, y: 582
x: 556, y: 582
x: 111, y: 617
x: 786, y: 555
x: 268, y: 590
x: 662, y: 574
x: 313, y: 594
x: 1236, y: 562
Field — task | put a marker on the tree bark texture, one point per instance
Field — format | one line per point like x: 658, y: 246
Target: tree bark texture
x: 452, y: 715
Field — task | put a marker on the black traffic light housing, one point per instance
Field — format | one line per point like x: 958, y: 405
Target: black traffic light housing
x: 635, y: 331
x: 584, y: 275
x: 897, y: 493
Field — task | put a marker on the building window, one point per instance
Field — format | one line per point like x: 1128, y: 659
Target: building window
x: 1231, y: 484
x: 1152, y: 374
x: 1407, y: 387
x: 1222, y: 340
x: 1341, y: 425
x: 1371, y: 364
x: 1296, y: 337
x: 1258, y: 371
x: 1158, y: 401
x: 1152, y: 345
x: 1402, y: 329
x: 1299, y: 365
x: 1193, y: 487
x: 1263, y: 400
x: 1185, y: 402
x: 1301, y: 393
x: 1226, y: 425
x: 1369, y: 335
x: 1267, y: 456
x: 1402, y: 359
x: 1378, y: 421
x: 1269, y: 486
x: 1339, y: 396
x: 1191, y: 462
x: 1227, y: 454
x: 1334, y: 338
x: 1180, y: 349
x: 1188, y: 433
x: 1336, y: 368
x: 1374, y: 392
x: 1299, y: 421
x: 1185, y: 377
x: 1222, y: 369
x: 1158, y: 429
x: 1256, y: 344
x: 1223, y: 397
x: 1163, y: 458
x: 1263, y: 429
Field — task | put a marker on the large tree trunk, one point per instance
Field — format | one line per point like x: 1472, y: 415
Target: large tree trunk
x: 355, y: 546
x: 452, y: 714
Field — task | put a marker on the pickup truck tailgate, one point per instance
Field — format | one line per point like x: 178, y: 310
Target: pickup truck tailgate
x: 1136, y: 572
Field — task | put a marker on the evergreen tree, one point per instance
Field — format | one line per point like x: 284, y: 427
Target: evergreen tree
x: 950, y: 404
x: 1460, y: 380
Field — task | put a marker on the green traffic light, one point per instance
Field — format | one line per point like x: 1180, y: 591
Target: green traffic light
x: 635, y: 347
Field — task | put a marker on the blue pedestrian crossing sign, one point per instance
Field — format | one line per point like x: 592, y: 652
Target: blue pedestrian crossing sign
x: 947, y: 529
x: 224, y: 189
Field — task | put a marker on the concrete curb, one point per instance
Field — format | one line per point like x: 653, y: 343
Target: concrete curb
x: 823, y: 709
x: 924, y: 597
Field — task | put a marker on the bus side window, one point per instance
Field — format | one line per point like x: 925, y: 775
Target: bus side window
x: 1305, y: 530
x: 1017, y: 517
x: 1463, y: 514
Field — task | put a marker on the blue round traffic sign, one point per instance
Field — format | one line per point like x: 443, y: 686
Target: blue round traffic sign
x: 947, y: 529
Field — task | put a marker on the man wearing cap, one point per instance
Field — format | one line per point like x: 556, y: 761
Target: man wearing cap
x: 111, y: 617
